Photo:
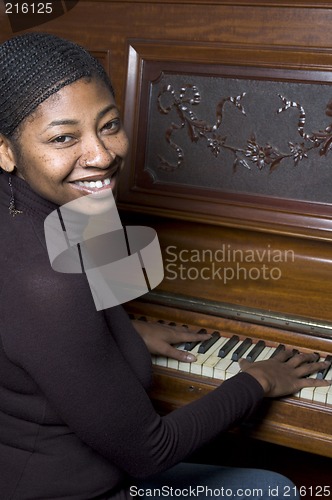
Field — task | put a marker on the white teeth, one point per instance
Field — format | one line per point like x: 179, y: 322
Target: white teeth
x: 94, y: 184
x: 91, y: 184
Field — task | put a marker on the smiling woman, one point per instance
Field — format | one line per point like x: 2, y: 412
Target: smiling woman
x: 76, y: 421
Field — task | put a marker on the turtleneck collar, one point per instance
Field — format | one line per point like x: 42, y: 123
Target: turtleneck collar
x: 38, y: 208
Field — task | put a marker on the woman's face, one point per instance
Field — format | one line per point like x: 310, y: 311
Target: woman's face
x: 73, y: 144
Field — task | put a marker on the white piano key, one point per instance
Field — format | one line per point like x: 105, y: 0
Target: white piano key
x: 320, y: 393
x: 161, y: 361
x: 209, y: 364
x: 167, y: 362
x: 265, y: 354
x: 232, y: 370
x: 219, y: 371
x: 329, y: 396
x: 174, y: 363
x: 308, y: 392
x: 185, y: 366
x: 329, y: 375
x: 197, y: 366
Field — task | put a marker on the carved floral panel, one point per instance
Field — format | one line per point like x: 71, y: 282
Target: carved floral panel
x: 243, y: 135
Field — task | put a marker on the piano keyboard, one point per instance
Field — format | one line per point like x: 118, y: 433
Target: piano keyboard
x: 217, y: 358
x: 302, y: 422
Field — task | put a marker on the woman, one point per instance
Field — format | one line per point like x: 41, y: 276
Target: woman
x: 75, y: 421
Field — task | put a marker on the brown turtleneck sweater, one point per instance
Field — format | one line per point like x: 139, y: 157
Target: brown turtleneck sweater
x: 75, y: 418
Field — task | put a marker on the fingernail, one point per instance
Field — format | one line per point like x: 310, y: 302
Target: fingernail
x: 190, y: 357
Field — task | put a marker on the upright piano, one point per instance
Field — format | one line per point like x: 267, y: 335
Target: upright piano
x: 230, y: 163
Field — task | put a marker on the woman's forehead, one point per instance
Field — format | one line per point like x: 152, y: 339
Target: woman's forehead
x: 34, y: 67
x: 74, y: 103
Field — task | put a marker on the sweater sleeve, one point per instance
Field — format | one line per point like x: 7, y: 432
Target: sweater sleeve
x: 55, y: 334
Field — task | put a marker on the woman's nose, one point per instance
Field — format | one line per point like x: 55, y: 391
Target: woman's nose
x: 96, y: 155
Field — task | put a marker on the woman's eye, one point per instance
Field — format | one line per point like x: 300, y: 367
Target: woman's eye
x: 112, y: 126
x: 62, y: 139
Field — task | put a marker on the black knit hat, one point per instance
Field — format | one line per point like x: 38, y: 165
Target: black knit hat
x: 34, y: 66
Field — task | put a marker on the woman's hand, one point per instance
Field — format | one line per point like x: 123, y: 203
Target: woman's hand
x: 160, y: 339
x: 286, y: 373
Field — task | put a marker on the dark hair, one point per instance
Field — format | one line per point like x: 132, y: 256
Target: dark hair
x: 34, y: 66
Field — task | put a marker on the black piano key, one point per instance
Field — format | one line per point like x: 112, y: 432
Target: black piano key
x: 322, y: 373
x: 255, y: 351
x: 280, y: 348
x: 189, y: 346
x: 207, y: 344
x: 243, y: 347
x: 224, y: 350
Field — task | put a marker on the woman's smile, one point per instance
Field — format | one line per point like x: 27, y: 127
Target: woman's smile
x: 97, y: 183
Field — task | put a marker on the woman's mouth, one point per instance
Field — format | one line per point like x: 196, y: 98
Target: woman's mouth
x: 95, y: 186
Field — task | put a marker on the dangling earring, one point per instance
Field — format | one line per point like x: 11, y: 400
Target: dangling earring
x: 12, y: 209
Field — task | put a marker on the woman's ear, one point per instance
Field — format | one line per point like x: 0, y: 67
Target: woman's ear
x: 7, y: 159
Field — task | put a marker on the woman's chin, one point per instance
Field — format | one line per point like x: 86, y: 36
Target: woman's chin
x: 93, y: 203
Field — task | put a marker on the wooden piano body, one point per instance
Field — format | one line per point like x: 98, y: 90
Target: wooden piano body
x: 245, y: 230
x: 244, y: 226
